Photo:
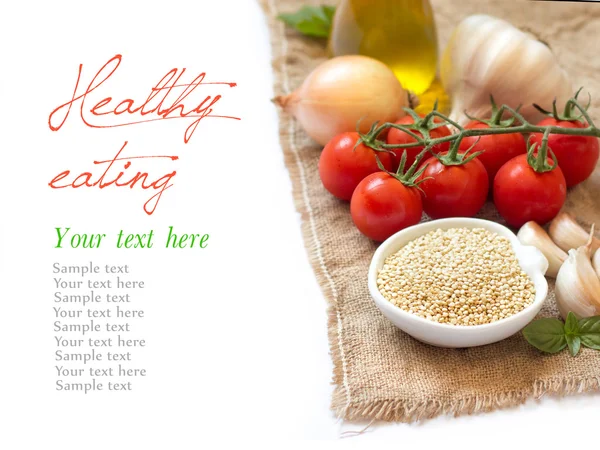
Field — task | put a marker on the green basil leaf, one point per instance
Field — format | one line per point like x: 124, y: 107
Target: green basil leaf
x: 574, y: 343
x: 311, y: 20
x: 547, y: 335
x: 571, y: 324
x: 589, y: 332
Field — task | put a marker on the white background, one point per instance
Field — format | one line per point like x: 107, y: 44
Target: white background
x: 237, y: 332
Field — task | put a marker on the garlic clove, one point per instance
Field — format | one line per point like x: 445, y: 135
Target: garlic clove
x: 567, y: 233
x: 532, y: 234
x: 577, y: 287
x: 596, y: 262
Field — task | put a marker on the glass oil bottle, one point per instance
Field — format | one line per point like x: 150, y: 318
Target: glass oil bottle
x: 400, y: 33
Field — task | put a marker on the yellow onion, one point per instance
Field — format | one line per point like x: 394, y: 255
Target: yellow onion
x: 343, y: 91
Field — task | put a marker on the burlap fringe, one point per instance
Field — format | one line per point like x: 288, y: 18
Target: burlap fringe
x: 341, y: 397
x: 403, y: 411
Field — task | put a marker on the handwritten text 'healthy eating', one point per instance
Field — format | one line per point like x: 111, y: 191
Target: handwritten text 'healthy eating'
x: 169, y: 98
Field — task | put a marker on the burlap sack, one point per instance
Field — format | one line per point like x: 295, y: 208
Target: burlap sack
x: 380, y: 372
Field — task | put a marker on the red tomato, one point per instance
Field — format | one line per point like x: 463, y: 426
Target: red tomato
x: 342, y: 166
x: 382, y: 205
x: 396, y: 136
x: 497, y: 148
x: 453, y: 191
x: 521, y: 194
x: 577, y: 155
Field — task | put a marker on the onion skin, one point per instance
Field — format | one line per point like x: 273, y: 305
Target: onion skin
x: 343, y: 91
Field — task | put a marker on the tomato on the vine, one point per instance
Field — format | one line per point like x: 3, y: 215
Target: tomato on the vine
x: 576, y: 155
x: 344, y: 163
x: 397, y: 136
x: 496, y: 149
x: 385, y: 203
x: 453, y: 185
x: 530, y: 187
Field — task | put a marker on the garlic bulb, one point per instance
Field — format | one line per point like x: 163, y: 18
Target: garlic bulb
x: 567, y: 233
x: 577, y: 285
x: 489, y: 56
x: 343, y: 91
x: 532, y: 234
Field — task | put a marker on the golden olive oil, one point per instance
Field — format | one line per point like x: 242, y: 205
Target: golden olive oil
x: 428, y: 99
x: 400, y: 33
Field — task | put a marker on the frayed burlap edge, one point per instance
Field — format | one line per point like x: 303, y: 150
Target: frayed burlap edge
x: 406, y: 411
x: 342, y: 404
x: 293, y: 162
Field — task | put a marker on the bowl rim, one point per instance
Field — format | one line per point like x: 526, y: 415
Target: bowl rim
x: 455, y: 222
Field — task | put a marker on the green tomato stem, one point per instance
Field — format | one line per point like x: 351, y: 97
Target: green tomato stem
x: 524, y: 128
x: 426, y: 124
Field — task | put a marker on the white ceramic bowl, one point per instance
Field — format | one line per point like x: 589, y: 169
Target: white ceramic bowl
x: 530, y: 258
